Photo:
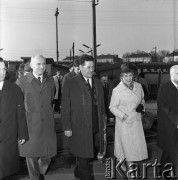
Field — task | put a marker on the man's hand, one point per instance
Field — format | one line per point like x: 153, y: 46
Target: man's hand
x: 22, y: 141
x: 68, y: 133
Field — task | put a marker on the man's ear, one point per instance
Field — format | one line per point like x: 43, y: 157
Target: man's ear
x: 31, y: 65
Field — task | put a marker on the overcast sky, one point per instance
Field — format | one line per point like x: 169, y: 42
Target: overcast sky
x: 28, y: 27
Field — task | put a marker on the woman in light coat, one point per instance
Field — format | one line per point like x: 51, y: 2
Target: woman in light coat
x: 127, y: 103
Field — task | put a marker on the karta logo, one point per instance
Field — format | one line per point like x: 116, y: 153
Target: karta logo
x: 138, y: 171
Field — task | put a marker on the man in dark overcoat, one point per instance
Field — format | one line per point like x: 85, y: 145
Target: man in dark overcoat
x: 167, y: 102
x: 13, y: 125
x: 83, y: 116
x: 38, y: 90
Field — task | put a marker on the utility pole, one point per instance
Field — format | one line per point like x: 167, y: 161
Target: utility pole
x: 57, y: 52
x: 155, y: 58
x: 73, y: 46
x: 70, y: 55
x: 94, y: 33
x: 155, y: 51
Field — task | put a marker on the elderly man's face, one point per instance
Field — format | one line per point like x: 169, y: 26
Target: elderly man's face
x: 38, y: 65
x: 174, y: 74
x: 2, y: 71
x: 87, y: 69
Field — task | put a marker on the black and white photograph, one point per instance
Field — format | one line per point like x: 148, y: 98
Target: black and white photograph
x: 88, y: 89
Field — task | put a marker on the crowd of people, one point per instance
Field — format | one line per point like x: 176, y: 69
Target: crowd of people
x: 86, y: 103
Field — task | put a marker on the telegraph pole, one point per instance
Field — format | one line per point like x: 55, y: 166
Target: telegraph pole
x: 70, y: 55
x: 155, y: 58
x: 73, y: 46
x: 155, y: 50
x: 57, y: 52
x: 94, y: 33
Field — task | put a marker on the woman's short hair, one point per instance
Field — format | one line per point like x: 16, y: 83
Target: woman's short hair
x: 129, y: 67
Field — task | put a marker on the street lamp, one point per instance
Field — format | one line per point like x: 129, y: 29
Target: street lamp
x: 81, y: 51
x: 57, y: 52
x: 91, y: 49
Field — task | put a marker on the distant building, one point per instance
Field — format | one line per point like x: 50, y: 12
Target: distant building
x: 69, y: 59
x: 13, y: 65
x: 145, y: 58
x: 172, y: 57
x: 109, y: 58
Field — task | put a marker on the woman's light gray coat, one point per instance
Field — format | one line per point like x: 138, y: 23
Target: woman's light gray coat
x: 129, y: 136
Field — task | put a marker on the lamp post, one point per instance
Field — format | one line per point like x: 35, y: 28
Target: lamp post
x: 81, y: 51
x: 91, y: 49
x: 155, y: 57
x: 57, y: 52
x: 94, y: 31
x: 73, y: 51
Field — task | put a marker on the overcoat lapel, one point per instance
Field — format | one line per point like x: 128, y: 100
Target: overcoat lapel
x: 135, y: 90
x: 81, y: 82
x: 5, y: 92
x: 34, y: 82
x: 31, y: 79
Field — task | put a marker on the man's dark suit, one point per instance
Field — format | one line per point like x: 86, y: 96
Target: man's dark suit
x: 167, y: 122
x: 13, y: 127
x: 76, y: 114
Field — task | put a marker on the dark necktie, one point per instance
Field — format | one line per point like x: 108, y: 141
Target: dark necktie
x: 39, y: 79
x: 105, y: 85
x: 88, y: 82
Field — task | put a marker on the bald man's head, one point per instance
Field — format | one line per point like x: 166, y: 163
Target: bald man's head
x: 174, y: 74
x: 38, y: 64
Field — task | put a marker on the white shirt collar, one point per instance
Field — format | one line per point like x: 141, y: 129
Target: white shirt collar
x: 37, y: 76
x: 174, y: 84
x: 1, y: 84
x: 90, y: 80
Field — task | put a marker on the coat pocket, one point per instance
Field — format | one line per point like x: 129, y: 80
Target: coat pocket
x: 133, y: 117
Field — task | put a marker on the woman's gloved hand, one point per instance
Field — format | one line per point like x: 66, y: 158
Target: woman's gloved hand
x: 140, y: 108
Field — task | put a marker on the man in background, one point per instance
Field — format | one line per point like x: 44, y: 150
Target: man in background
x: 107, y: 89
x: 27, y: 68
x: 38, y: 90
x: 72, y: 72
x: 13, y: 125
x: 58, y: 78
